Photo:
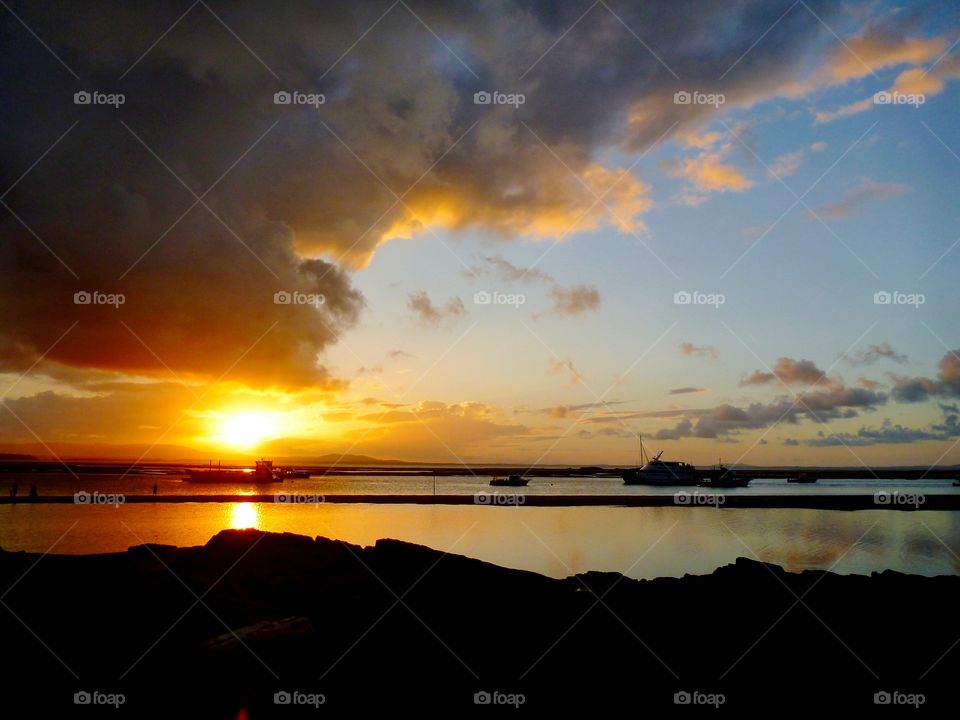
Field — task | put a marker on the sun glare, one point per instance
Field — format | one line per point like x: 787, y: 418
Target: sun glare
x: 246, y: 430
x: 244, y: 515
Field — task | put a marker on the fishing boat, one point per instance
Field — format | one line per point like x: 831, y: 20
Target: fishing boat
x: 294, y: 474
x: 660, y: 472
x: 512, y: 481
x: 723, y: 477
x: 262, y: 472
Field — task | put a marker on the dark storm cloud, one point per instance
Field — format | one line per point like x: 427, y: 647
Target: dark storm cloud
x: 393, y: 148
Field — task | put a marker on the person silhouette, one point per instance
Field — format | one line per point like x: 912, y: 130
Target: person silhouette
x: 13, y: 490
x: 33, y: 490
x: 154, y: 489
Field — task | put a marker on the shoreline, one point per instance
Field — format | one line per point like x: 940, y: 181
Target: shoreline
x: 694, y: 499
x: 394, y: 624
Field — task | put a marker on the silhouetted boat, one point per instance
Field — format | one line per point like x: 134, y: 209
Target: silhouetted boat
x: 294, y: 474
x: 263, y: 472
x: 802, y: 478
x: 723, y: 477
x: 660, y: 472
x: 512, y: 481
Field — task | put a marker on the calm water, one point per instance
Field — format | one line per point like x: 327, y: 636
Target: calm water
x: 639, y: 542
x: 67, y: 484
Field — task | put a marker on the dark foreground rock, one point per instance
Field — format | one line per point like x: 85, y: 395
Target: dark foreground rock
x: 250, y: 619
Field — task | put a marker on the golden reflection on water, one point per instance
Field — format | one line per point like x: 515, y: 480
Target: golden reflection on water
x: 244, y: 515
x: 642, y: 542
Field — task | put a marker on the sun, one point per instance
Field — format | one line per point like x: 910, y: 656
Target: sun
x: 246, y: 430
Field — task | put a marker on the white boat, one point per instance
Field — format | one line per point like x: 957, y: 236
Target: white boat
x: 660, y: 472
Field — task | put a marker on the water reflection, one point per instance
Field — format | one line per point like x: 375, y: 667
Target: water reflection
x: 640, y: 542
x: 244, y: 515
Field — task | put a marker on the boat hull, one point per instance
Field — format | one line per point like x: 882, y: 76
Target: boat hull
x: 641, y: 478
x: 234, y: 477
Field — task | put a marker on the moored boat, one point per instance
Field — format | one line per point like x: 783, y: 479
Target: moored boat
x: 262, y: 472
x: 660, y: 472
x: 512, y: 481
x: 723, y: 477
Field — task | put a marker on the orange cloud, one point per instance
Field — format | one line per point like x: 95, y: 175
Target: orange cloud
x: 708, y: 173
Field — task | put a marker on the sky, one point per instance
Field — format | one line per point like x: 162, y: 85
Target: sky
x: 503, y: 231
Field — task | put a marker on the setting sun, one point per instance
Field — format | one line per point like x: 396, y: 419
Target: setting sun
x: 246, y: 430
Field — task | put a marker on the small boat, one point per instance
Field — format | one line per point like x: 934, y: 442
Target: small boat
x: 802, y: 478
x: 294, y: 474
x: 263, y: 472
x: 660, y: 472
x: 723, y: 477
x: 512, y: 481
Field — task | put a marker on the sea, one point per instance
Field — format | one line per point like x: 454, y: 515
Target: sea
x: 639, y: 542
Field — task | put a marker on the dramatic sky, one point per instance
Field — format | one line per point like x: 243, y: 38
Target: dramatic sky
x: 729, y: 226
